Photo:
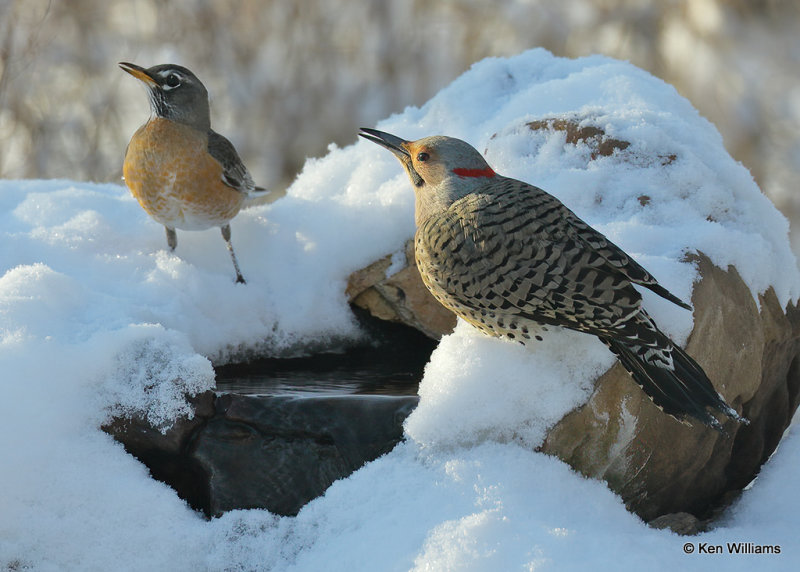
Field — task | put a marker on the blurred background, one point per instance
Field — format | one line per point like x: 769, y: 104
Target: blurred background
x: 287, y: 78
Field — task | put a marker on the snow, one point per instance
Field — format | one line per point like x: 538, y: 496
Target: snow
x: 97, y: 319
x: 496, y: 383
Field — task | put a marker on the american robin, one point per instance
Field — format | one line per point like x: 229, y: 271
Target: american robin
x: 183, y: 173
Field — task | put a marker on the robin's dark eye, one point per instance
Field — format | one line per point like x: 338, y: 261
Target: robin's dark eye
x: 422, y: 157
x: 173, y: 80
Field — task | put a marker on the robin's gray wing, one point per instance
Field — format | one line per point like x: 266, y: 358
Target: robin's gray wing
x: 234, y: 173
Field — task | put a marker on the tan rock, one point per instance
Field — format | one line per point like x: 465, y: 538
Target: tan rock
x: 400, y: 297
x: 659, y: 466
x: 656, y: 464
x: 750, y: 351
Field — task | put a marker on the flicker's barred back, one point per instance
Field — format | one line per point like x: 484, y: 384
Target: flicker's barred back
x: 511, y: 260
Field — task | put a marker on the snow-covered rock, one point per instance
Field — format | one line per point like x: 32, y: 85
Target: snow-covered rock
x: 654, y: 463
x: 659, y: 466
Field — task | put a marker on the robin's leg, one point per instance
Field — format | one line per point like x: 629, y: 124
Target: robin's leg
x: 226, y: 234
x: 172, y: 238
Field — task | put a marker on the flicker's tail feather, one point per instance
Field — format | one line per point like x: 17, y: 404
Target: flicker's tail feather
x: 680, y: 390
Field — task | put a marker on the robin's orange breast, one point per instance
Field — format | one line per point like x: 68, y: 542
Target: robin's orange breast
x: 168, y: 169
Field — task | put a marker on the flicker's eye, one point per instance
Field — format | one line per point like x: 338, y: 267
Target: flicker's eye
x: 173, y: 80
x: 422, y: 156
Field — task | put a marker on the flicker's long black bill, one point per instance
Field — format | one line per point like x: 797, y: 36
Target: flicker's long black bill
x: 139, y: 73
x: 391, y: 142
x: 396, y: 146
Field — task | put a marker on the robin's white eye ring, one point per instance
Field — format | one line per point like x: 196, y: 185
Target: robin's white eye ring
x: 422, y: 157
x: 172, y: 80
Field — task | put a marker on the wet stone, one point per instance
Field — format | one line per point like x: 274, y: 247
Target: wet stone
x: 271, y: 452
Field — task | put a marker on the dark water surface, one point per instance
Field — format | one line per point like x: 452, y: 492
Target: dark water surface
x: 391, y: 365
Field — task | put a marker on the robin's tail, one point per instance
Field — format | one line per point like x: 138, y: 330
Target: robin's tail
x: 672, y: 379
x: 261, y: 196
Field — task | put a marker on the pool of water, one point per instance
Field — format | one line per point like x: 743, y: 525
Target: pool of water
x: 391, y: 365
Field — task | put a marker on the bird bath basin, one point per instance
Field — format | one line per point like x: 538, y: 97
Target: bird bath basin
x: 391, y: 365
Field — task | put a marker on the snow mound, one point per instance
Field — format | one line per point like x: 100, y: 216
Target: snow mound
x: 98, y: 319
x: 672, y: 190
x: 477, y: 389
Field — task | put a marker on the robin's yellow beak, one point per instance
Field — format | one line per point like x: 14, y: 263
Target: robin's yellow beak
x: 139, y: 73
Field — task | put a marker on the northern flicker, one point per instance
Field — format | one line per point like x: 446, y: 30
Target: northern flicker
x: 511, y: 259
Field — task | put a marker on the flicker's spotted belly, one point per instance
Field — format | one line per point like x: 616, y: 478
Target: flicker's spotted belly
x: 169, y: 171
x: 490, y: 319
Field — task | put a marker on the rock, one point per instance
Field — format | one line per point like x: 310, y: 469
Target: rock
x: 277, y: 453
x: 575, y: 133
x: 657, y: 465
x: 165, y: 454
x: 280, y: 452
x: 400, y: 297
x: 681, y: 523
x: 140, y: 437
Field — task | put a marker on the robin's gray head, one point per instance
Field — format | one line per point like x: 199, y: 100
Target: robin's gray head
x: 442, y: 169
x: 175, y: 93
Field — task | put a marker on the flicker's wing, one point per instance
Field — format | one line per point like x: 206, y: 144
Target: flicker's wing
x: 234, y: 173
x: 617, y: 258
x: 513, y: 250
